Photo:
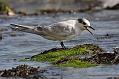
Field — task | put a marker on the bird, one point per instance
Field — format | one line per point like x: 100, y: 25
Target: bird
x: 59, y: 31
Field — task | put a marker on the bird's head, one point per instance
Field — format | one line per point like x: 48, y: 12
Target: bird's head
x: 84, y: 24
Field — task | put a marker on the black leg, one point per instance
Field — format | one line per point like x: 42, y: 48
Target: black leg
x: 0, y: 36
x: 62, y: 44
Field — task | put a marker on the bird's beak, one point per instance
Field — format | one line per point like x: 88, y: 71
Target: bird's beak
x: 90, y: 28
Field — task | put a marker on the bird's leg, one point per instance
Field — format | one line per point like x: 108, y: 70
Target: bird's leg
x: 62, y: 44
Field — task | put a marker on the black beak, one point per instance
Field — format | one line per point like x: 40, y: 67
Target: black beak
x: 90, y: 28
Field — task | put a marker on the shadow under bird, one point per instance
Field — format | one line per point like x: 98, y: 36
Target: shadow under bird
x: 59, y: 31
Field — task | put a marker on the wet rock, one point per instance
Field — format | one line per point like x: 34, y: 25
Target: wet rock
x: 116, y: 50
x: 105, y: 58
x: 113, y: 7
x: 88, y: 53
x: 102, y: 58
x: 22, y: 13
x: 116, y: 59
x: 110, y: 4
x: 68, y: 57
x: 99, y: 58
x: 24, y: 71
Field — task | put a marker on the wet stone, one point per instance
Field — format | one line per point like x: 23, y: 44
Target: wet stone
x: 115, y: 7
x: 23, y: 71
x: 102, y: 58
x: 116, y: 50
x: 105, y: 58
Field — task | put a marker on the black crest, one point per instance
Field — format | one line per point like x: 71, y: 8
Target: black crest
x: 81, y: 21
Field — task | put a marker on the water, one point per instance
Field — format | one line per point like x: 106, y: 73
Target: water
x: 14, y: 47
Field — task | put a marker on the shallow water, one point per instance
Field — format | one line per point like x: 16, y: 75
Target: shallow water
x: 17, y: 45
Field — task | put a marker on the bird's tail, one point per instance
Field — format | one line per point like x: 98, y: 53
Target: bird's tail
x: 23, y: 28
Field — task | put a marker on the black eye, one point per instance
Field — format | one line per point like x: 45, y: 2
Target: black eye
x: 84, y: 23
x: 81, y: 21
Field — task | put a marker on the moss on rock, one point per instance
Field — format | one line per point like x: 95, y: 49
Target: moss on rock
x: 77, y: 63
x: 68, y: 57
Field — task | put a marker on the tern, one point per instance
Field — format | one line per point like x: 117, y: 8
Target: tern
x: 60, y: 31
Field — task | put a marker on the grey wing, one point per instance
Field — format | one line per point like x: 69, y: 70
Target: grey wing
x: 61, y: 29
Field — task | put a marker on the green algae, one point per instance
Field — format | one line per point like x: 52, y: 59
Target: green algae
x: 77, y: 63
x: 70, y: 56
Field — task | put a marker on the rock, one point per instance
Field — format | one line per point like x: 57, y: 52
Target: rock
x: 69, y: 57
x: 113, y: 7
x: 105, y: 58
x: 21, y: 71
x: 102, y: 58
x: 90, y: 53
x: 110, y: 4
x: 116, y: 50
x: 116, y: 59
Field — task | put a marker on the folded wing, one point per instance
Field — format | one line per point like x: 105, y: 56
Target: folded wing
x: 57, y: 31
